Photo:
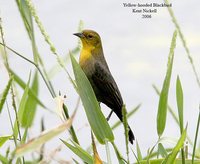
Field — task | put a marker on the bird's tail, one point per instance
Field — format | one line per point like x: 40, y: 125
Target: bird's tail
x: 130, y: 135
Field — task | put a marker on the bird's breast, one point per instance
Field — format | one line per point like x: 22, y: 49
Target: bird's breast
x: 85, y: 55
x: 86, y: 62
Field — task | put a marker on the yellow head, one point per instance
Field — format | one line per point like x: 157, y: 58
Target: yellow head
x: 91, y: 43
x: 90, y: 39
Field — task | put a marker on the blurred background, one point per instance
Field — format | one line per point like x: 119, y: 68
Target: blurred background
x: 136, y: 50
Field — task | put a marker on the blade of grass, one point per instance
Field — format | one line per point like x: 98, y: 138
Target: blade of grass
x: 171, y: 111
x: 172, y: 156
x: 162, y: 107
x: 44, y: 73
x: 28, y: 23
x: 154, y: 154
x: 161, y: 150
x: 27, y: 11
x: 121, y: 160
x: 3, y: 139
x: 5, y: 93
x: 60, y: 61
x: 151, y: 152
x: 196, y: 136
x: 138, y: 161
x: 3, y: 159
x: 95, y: 117
x: 48, y: 85
x: 32, y: 12
x: 179, y: 100
x: 72, y: 132
x: 22, y: 84
x: 23, y: 101
x: 139, y: 154
x: 81, y: 153
x: 168, y: 106
x: 20, y: 112
x: 34, y: 143
x: 24, y: 136
x: 31, y: 104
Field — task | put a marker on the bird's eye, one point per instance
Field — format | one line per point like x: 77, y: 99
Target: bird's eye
x: 90, y: 36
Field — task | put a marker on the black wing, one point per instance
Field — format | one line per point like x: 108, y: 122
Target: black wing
x: 106, y: 89
x: 107, y: 92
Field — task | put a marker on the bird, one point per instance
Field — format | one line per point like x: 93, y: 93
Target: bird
x: 95, y: 67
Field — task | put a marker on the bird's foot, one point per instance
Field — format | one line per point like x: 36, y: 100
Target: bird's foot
x: 108, y: 118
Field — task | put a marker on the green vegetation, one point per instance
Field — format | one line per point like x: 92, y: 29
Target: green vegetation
x: 101, y: 132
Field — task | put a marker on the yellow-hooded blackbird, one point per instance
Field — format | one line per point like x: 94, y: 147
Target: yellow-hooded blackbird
x: 94, y: 65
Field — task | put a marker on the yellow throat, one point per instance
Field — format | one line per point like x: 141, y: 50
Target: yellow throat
x: 86, y: 53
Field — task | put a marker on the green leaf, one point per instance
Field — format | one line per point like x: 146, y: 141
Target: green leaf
x: 172, y: 156
x: 119, y: 156
x: 22, y: 84
x: 139, y: 154
x: 155, y: 153
x: 45, y: 136
x: 196, y: 137
x: 96, y: 119
x: 162, y: 107
x: 3, y: 159
x: 28, y: 23
x: 3, y: 139
x: 161, y: 150
x: 26, y: 16
x: 20, y: 112
x: 24, y: 136
x: 174, y: 116
x: 81, y: 153
x: 179, y: 100
x: 5, y: 93
x: 31, y: 104
x: 23, y: 101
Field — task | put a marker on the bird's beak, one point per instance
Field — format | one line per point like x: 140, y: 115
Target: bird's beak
x: 80, y: 35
